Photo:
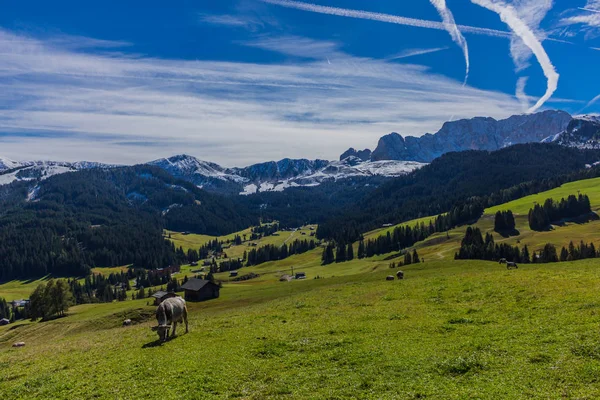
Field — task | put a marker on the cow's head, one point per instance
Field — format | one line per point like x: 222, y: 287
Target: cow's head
x: 163, y: 331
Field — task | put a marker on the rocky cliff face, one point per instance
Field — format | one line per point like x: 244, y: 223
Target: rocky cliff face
x: 472, y: 134
x: 363, y: 155
x: 583, y: 132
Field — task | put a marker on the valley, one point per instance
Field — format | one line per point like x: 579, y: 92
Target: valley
x: 307, y: 306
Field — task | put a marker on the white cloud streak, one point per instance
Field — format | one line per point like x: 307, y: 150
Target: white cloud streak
x: 452, y: 28
x: 584, y: 20
x: 520, y: 93
x: 392, y: 19
x: 510, y: 17
x: 56, y: 103
x: 414, y: 52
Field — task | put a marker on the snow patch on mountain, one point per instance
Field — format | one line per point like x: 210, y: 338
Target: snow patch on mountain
x: 350, y: 167
x: 32, y: 170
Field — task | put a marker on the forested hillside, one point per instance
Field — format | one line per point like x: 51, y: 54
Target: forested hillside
x: 456, y: 177
x: 72, y: 222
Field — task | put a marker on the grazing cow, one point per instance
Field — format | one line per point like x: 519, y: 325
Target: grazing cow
x: 511, y: 265
x: 502, y: 261
x: 400, y: 274
x: 127, y: 322
x: 18, y: 344
x: 170, y: 311
x: 390, y: 278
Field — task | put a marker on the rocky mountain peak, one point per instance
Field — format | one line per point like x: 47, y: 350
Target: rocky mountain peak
x: 480, y: 133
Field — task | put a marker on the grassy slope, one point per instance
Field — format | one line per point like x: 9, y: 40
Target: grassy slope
x: 439, y: 246
x: 452, y: 329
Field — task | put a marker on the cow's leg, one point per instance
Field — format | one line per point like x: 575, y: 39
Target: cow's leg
x: 174, y: 327
x: 185, y: 319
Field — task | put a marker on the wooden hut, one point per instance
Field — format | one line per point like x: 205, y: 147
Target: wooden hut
x: 200, y: 289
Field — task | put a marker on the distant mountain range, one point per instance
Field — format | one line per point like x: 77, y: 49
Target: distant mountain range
x: 468, y: 134
x: 394, y: 155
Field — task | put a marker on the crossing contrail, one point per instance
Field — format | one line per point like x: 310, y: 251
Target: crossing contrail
x: 510, y: 17
x: 453, y: 30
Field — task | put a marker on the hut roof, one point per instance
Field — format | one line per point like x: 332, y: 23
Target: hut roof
x: 195, y: 284
x: 160, y: 294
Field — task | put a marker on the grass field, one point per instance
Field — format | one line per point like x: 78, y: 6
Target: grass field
x: 450, y: 330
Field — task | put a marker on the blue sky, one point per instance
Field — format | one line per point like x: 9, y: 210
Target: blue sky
x: 243, y: 81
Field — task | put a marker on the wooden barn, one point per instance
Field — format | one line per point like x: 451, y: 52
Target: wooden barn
x: 200, y: 289
x: 161, y: 296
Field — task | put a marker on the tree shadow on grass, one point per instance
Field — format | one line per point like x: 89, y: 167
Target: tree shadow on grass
x: 582, y: 219
x: 508, y: 233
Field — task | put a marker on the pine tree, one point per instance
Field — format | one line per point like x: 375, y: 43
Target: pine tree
x: 361, y: 249
x: 415, y: 257
x: 340, y: 253
x: 407, y: 259
x: 350, y: 252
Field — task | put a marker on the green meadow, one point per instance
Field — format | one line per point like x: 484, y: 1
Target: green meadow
x: 450, y: 330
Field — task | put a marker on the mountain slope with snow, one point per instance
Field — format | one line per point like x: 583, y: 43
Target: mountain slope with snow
x: 583, y: 132
x: 277, y: 175
x: 11, y: 171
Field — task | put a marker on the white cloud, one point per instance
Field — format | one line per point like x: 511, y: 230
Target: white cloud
x: 415, y: 52
x: 584, y: 20
x: 392, y: 19
x: 520, y: 93
x: 57, y: 103
x: 453, y: 30
x: 509, y: 15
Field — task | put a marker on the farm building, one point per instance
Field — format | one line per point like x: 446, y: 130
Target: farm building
x: 161, y: 296
x: 4, y: 321
x: 300, y: 275
x: 194, y: 264
x: 233, y: 273
x: 200, y: 289
x: 170, y: 270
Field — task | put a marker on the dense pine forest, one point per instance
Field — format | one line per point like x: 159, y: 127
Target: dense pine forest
x: 481, y: 177
x: 99, y: 218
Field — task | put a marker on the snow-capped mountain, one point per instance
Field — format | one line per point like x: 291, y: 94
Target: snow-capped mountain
x: 11, y: 171
x: 7, y: 163
x: 470, y: 134
x: 277, y: 175
x: 582, y: 132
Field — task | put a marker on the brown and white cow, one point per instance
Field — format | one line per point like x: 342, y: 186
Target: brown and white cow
x: 170, y: 311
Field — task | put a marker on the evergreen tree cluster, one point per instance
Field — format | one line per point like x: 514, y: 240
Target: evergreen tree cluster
x: 50, y: 299
x: 581, y: 252
x: 272, y: 252
x: 264, y: 231
x: 475, y: 247
x: 541, y: 216
x: 231, y: 265
x: 504, y: 221
x: 4, y: 309
x: 459, y: 178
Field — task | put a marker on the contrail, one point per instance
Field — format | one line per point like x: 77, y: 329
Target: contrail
x: 415, y: 52
x: 510, y: 17
x: 520, y: 92
x: 392, y: 19
x: 589, y: 9
x: 453, y: 30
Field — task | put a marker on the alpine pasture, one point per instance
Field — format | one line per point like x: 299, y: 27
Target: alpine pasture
x: 451, y: 329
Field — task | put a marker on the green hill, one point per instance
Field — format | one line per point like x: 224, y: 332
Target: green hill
x: 450, y: 329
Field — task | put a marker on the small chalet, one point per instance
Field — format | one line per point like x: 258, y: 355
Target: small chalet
x: 161, y: 296
x: 233, y: 273
x: 194, y: 264
x: 4, y: 321
x: 170, y: 270
x: 200, y: 289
